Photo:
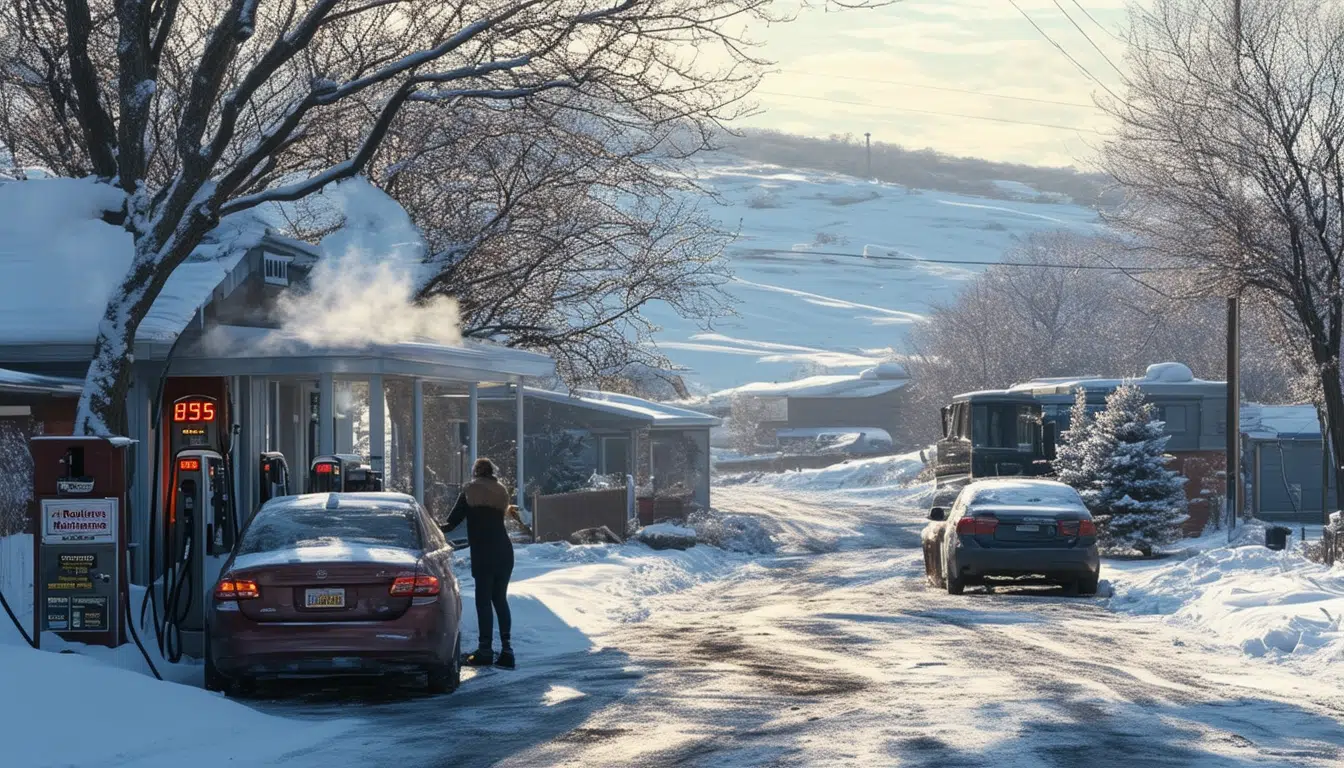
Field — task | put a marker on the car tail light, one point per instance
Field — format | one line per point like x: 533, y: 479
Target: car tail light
x: 419, y: 586
x: 1068, y: 527
x: 1087, y: 528
x: 236, y: 589
x: 981, y: 526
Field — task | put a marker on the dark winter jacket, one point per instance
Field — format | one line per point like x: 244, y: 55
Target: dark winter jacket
x: 483, y: 504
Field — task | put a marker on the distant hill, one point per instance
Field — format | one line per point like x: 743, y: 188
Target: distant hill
x: 831, y: 270
x: 922, y: 169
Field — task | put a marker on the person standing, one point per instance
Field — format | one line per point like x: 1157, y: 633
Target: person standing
x: 484, y: 504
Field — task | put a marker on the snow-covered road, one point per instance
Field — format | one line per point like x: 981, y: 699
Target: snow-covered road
x: 833, y: 652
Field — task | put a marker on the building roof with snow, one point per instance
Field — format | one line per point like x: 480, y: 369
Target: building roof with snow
x: 1160, y: 378
x: 627, y: 408
x: 1280, y: 422
x: 18, y: 382
x: 879, y: 380
x: 62, y: 262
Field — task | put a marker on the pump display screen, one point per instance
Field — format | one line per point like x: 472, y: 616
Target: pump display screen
x: 189, y: 465
x: 193, y: 410
x: 193, y: 422
x: 322, y: 469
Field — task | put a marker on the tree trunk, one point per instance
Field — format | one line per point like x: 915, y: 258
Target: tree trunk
x: 102, y: 403
x: 1333, y: 393
x: 400, y: 411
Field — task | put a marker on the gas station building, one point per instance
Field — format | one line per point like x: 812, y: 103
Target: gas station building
x: 210, y: 338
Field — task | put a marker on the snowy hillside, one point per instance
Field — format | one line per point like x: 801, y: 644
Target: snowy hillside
x: 798, y: 305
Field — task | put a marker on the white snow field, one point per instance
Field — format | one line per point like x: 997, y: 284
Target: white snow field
x: 797, y: 305
x: 829, y: 650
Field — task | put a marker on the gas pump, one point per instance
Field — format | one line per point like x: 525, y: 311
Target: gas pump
x: 200, y: 526
x: 343, y: 472
x: 274, y: 477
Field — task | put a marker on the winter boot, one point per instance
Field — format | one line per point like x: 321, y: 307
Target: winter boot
x: 481, y: 658
x: 505, y: 659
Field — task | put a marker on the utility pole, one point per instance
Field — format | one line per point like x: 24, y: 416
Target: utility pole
x: 1233, y: 411
x: 1233, y: 429
x: 868, y: 151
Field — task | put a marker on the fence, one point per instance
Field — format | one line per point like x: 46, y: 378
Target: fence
x: 558, y: 516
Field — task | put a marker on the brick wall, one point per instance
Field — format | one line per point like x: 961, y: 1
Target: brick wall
x: 1200, y: 469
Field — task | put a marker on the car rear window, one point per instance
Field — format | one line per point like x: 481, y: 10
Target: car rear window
x: 1027, y: 495
x: 296, y: 528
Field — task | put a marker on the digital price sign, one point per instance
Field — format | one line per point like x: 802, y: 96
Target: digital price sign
x: 191, y: 409
x: 194, y: 423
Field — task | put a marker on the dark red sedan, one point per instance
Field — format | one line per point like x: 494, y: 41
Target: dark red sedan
x: 336, y: 584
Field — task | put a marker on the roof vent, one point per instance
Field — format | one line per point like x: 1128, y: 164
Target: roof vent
x: 1172, y: 373
x: 276, y: 269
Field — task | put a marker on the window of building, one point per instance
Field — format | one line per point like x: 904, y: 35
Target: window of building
x: 1174, y: 416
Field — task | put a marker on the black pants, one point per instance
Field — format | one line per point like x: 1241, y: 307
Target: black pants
x: 492, y: 589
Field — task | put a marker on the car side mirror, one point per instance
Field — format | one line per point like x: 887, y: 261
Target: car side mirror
x: 938, y: 513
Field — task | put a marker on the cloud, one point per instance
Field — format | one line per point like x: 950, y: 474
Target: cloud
x: 363, y: 290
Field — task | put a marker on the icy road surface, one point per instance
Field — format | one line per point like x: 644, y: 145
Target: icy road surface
x: 834, y: 652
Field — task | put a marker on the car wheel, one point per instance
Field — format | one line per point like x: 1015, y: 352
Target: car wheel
x: 214, y: 681
x: 930, y: 568
x: 953, y: 581
x: 444, y: 678
x: 1087, y: 585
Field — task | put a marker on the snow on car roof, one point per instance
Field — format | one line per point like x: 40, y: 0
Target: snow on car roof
x: 1022, y: 492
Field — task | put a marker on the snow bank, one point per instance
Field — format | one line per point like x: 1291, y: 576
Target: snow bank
x: 131, y: 719
x: 735, y: 533
x: 564, y: 598
x: 1272, y: 605
x: 16, y: 584
x: 883, y: 471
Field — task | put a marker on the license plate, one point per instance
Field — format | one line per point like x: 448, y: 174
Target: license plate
x: 1028, y: 528
x: 324, y: 598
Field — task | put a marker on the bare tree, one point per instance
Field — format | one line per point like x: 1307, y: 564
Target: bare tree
x: 555, y: 226
x: 1228, y: 144
x: 203, y: 110
x: 1049, y: 312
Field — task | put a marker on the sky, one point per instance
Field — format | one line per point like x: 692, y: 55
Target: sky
x: 825, y: 65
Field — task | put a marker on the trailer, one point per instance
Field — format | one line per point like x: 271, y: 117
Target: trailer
x: 995, y: 433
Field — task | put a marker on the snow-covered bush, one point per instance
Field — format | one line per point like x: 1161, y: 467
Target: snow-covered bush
x: 1118, y: 465
x: 744, y: 424
x: 735, y: 533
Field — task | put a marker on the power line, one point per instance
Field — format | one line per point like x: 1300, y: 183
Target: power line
x: 1061, y: 49
x: 967, y: 262
x: 1098, y: 23
x: 930, y: 112
x: 946, y: 89
x: 1089, y: 39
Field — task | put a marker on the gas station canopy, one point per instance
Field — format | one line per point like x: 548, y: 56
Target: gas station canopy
x: 233, y: 350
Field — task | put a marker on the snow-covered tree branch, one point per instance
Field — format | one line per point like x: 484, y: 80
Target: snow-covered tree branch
x: 201, y: 110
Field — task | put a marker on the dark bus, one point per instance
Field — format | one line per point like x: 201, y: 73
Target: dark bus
x: 996, y: 433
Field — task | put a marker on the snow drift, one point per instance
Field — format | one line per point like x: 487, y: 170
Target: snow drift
x: 1273, y: 605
